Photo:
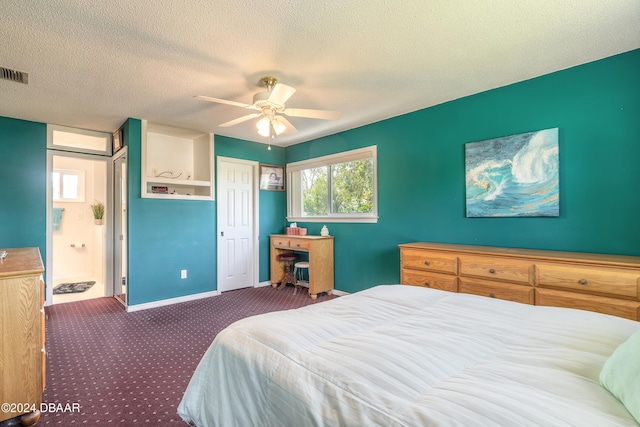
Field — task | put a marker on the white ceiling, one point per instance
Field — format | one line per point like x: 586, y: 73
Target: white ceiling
x: 92, y: 64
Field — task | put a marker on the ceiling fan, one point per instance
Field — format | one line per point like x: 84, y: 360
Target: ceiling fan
x: 271, y: 107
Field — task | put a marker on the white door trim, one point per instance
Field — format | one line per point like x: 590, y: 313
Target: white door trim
x: 111, y: 243
x: 256, y: 217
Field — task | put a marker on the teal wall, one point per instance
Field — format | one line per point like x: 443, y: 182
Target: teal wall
x: 596, y: 107
x: 23, y: 184
x: 421, y: 188
x: 272, y: 204
x: 166, y: 236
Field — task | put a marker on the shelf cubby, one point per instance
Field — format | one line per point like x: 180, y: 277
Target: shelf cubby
x: 176, y: 163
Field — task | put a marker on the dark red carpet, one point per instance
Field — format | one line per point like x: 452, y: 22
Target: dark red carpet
x: 127, y: 369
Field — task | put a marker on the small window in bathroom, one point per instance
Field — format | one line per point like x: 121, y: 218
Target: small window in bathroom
x: 68, y: 185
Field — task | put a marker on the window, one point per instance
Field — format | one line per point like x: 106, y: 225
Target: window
x: 79, y: 140
x: 336, y: 188
x: 68, y: 185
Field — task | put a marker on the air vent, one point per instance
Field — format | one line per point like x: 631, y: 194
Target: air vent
x: 14, y: 75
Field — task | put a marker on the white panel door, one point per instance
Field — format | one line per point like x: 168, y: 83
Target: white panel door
x: 235, y: 225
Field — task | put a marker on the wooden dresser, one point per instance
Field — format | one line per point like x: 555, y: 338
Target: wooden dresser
x: 607, y: 284
x: 320, y: 251
x: 22, y: 356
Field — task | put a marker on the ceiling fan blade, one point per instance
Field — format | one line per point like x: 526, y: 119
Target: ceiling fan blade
x: 312, y: 114
x: 280, y: 94
x: 240, y: 120
x: 223, y: 101
x: 290, y: 128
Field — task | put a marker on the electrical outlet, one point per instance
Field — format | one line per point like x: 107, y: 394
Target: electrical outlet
x: 183, y: 274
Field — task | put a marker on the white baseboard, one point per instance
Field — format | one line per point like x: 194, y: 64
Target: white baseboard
x: 262, y: 284
x: 161, y: 303
x: 335, y: 291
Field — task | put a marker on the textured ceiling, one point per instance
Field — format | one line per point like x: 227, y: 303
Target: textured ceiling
x: 92, y: 64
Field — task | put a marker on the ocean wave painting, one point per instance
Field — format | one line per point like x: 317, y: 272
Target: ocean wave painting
x: 513, y: 176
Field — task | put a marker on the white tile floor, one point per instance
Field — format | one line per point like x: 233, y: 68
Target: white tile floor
x: 96, y: 291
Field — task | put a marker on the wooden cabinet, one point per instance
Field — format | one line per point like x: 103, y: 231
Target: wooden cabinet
x: 607, y: 284
x: 320, y: 250
x: 22, y: 356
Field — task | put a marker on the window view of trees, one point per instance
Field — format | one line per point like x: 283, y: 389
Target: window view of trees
x: 315, y: 193
x: 351, y: 185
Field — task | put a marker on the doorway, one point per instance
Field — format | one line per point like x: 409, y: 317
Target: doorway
x: 78, y: 240
x: 237, y: 227
x: 79, y: 186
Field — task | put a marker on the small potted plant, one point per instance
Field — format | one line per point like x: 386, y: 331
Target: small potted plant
x: 98, y: 212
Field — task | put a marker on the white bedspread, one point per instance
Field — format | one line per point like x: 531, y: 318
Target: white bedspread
x: 407, y: 356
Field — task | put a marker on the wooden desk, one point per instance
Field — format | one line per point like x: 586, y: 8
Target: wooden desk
x: 320, y: 251
x: 22, y: 357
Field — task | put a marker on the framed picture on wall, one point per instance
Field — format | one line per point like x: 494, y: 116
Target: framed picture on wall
x: 513, y: 176
x: 272, y: 177
x: 117, y: 141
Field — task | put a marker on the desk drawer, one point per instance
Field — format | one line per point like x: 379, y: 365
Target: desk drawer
x: 299, y: 244
x: 604, y: 280
x: 615, y: 307
x: 517, y: 293
x: 444, y: 282
x: 281, y: 243
x: 497, y: 269
x: 419, y: 259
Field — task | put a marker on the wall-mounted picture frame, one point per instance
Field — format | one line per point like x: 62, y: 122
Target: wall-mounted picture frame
x: 117, y: 141
x: 271, y: 177
x: 514, y: 176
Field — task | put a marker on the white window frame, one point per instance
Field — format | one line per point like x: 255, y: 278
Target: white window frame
x: 54, y: 144
x: 294, y: 190
x: 81, y: 185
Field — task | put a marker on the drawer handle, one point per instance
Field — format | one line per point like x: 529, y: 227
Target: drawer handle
x: 583, y: 281
x: 492, y: 296
x: 491, y: 270
x: 298, y: 245
x: 427, y: 263
x: 427, y: 284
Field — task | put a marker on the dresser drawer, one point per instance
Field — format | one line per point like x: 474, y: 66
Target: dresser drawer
x: 615, y: 307
x: 603, y: 280
x: 517, y: 293
x: 299, y: 244
x: 512, y: 271
x: 429, y: 261
x: 281, y: 243
x: 444, y: 282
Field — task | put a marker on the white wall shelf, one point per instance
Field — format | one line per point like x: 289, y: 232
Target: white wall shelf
x: 184, y: 160
x: 170, y: 181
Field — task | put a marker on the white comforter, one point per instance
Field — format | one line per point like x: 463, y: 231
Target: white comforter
x: 407, y: 356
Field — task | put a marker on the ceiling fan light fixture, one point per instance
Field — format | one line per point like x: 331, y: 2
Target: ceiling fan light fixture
x: 278, y: 126
x: 270, y: 104
x: 263, y: 126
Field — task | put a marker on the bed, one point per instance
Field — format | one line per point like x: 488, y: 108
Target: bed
x: 398, y: 355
